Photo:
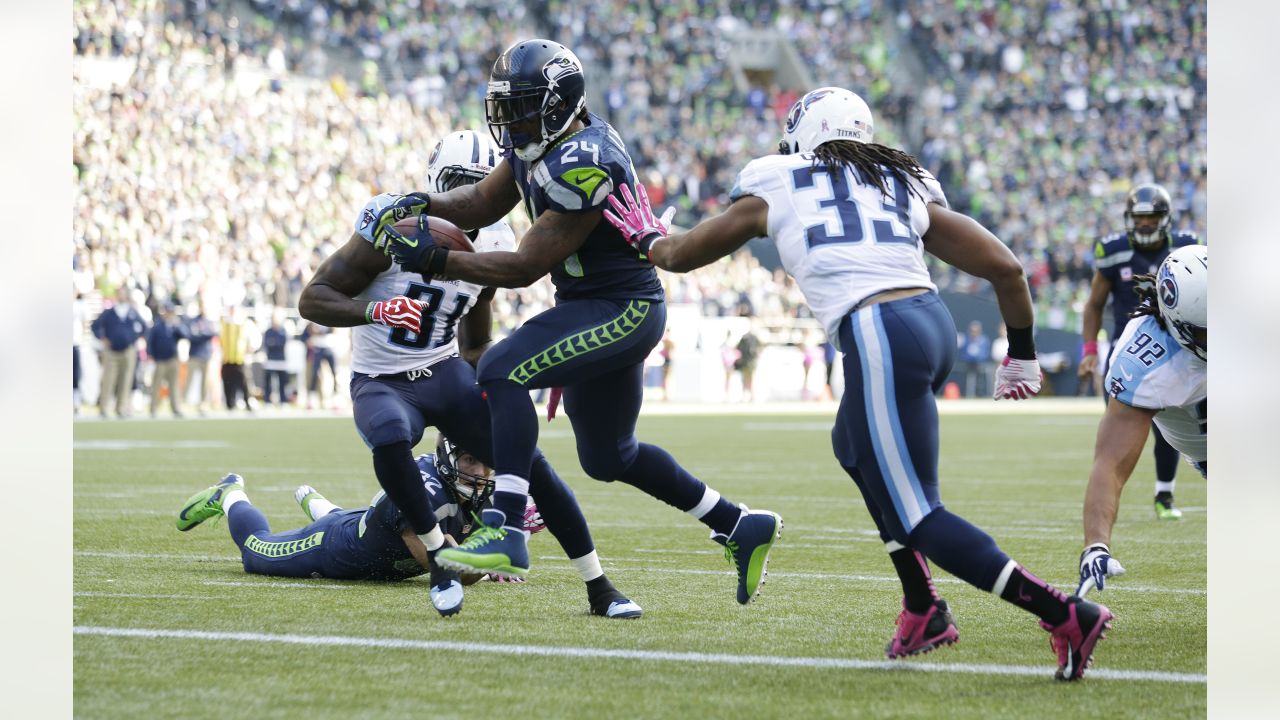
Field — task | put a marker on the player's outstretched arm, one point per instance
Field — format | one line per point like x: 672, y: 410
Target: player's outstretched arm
x: 1093, y: 307
x: 714, y: 238
x: 963, y: 243
x: 1121, y: 437
x: 327, y: 299
x: 553, y: 237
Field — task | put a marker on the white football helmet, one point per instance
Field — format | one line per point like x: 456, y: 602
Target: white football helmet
x: 825, y: 114
x: 1182, y: 292
x: 461, y: 158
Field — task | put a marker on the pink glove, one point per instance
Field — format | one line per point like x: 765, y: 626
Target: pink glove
x: 635, y: 219
x: 1017, y: 379
x: 533, y: 522
x: 553, y: 402
x: 398, y: 312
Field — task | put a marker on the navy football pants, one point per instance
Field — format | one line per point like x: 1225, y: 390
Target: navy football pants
x: 896, y: 356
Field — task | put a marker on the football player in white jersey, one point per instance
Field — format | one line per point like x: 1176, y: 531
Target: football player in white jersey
x: 1160, y: 374
x: 852, y: 220
x: 415, y: 345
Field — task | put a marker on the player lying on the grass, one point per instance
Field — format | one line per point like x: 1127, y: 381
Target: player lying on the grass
x: 1160, y: 374
x: 373, y: 543
x: 851, y: 220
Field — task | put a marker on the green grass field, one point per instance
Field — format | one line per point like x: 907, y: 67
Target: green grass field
x: 168, y: 624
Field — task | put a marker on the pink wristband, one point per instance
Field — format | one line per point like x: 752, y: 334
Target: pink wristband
x: 1090, y: 348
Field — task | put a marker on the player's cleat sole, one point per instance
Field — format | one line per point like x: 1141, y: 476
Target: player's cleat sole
x: 207, y: 503
x: 496, y: 551
x: 747, y: 548
x: 1166, y: 511
x: 446, y: 598
x: 304, y: 495
x: 921, y: 633
x: 1075, y: 639
x: 617, y: 608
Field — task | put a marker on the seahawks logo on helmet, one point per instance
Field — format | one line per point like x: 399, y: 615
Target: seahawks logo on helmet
x: 1168, y: 288
x: 560, y: 66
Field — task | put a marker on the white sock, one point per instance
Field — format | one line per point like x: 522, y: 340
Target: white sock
x: 588, y: 566
x: 1162, y: 486
x: 232, y: 498
x: 709, y: 499
x: 998, y: 588
x: 511, y: 484
x: 318, y: 507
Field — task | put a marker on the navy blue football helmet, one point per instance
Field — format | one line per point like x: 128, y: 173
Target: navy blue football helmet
x: 1148, y: 199
x: 536, y: 89
x: 468, y: 490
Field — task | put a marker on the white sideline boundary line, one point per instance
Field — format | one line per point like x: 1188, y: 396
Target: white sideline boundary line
x: 826, y: 663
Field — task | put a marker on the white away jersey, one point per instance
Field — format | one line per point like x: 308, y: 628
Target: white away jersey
x: 380, y: 350
x: 842, y: 241
x: 1151, y: 370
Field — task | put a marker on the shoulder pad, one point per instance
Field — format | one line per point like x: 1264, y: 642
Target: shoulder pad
x: 1182, y: 239
x: 576, y: 174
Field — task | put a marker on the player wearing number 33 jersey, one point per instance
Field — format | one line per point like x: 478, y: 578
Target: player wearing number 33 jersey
x: 852, y: 220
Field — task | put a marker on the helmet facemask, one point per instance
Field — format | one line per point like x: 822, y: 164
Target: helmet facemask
x: 531, y: 102
x: 1145, y: 201
x: 468, y: 490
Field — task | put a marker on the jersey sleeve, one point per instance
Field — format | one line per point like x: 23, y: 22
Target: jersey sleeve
x: 1141, y: 373
x: 384, y: 514
x: 366, y: 219
x: 497, y: 237
x: 748, y: 183
x: 931, y: 189
x: 1184, y: 239
x: 577, y: 176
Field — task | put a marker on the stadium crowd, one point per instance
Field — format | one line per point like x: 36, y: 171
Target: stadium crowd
x: 221, y: 171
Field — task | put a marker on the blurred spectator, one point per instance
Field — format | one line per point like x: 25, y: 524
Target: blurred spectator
x: 274, y: 340
x: 319, y: 341
x: 162, y: 347
x: 748, y: 355
x: 200, y: 333
x: 234, y: 340
x: 79, y: 318
x: 120, y: 326
x: 975, y: 356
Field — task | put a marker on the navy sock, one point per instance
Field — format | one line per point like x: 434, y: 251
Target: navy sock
x: 960, y: 548
x: 515, y: 427
x: 400, y: 478
x: 918, y: 592
x: 560, y: 509
x: 1167, y: 458
x: 506, y: 510
x: 656, y: 473
x: 243, y: 520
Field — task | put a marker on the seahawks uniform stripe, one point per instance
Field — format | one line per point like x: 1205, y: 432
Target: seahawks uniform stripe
x: 583, y: 342
x: 277, y: 550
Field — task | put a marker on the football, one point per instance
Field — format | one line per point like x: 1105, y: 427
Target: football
x: 445, y: 233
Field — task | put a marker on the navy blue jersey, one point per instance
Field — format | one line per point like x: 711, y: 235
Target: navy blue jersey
x: 577, y: 174
x: 1120, y: 262
x: 367, y: 545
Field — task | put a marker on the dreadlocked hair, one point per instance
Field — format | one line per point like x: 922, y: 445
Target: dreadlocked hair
x: 1144, y: 286
x: 869, y: 161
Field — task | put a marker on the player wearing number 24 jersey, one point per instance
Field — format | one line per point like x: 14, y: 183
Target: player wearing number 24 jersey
x: 416, y: 340
x: 852, y: 220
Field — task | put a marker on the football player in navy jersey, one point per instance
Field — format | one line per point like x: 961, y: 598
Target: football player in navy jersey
x: 1119, y: 260
x: 415, y: 341
x: 561, y: 163
x: 373, y: 543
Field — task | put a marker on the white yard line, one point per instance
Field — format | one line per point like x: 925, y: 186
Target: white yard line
x: 830, y: 663
x: 144, y: 596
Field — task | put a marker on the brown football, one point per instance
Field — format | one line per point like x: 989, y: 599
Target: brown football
x: 445, y: 233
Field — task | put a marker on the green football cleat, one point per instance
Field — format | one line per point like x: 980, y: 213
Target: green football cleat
x: 496, y: 551
x: 1165, y: 509
x: 208, y: 502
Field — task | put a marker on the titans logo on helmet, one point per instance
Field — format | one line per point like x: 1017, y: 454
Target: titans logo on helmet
x: 1168, y: 288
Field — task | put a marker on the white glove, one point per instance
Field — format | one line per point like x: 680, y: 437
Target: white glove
x: 1096, y: 565
x: 1017, y: 379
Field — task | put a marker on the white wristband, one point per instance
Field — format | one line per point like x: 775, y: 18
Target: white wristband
x: 434, y: 539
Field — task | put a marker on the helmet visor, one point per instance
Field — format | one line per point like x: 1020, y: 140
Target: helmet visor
x: 515, y: 119
x: 455, y: 176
